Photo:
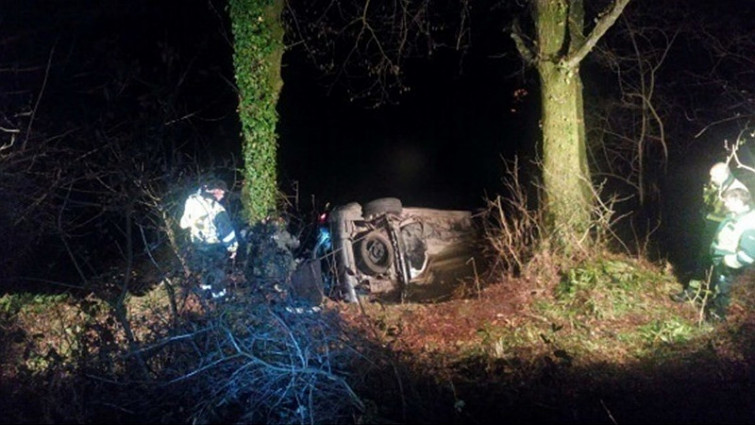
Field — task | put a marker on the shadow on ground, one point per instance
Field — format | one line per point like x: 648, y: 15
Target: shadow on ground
x: 698, y: 388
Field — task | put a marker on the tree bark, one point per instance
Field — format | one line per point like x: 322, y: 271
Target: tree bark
x: 565, y: 172
x: 559, y: 49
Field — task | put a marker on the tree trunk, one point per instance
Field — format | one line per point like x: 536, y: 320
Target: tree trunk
x: 565, y: 172
x: 566, y: 176
x: 258, y: 49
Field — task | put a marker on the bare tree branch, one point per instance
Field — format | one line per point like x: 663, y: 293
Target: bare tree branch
x: 39, y: 98
x: 604, y: 21
x: 522, y: 45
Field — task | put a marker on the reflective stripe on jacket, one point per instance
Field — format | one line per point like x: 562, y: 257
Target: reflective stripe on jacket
x: 735, y: 240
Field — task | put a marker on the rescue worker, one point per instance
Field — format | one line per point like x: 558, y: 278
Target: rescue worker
x: 212, y: 235
x: 721, y: 180
x: 733, y: 248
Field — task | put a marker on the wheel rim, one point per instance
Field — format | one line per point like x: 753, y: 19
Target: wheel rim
x: 377, y: 252
x: 374, y: 253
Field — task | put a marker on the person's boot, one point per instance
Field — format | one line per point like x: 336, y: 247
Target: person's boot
x: 716, y: 314
x: 718, y: 308
x: 719, y: 305
x: 688, y: 294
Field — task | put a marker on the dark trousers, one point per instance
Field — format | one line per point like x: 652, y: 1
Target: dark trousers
x: 704, y: 258
x: 209, y: 262
x: 721, y: 282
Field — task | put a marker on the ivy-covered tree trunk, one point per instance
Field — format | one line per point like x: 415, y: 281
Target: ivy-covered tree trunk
x: 560, y: 45
x: 258, y: 49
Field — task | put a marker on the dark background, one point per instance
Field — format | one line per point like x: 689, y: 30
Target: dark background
x: 441, y: 146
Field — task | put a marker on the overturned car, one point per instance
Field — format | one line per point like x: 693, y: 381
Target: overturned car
x: 386, y: 251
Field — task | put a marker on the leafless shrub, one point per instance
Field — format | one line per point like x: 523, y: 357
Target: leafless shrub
x: 512, y: 227
x: 269, y: 365
x: 627, y: 133
x: 522, y: 243
x: 259, y: 358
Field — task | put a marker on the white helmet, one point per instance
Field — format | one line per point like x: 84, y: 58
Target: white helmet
x: 719, y: 173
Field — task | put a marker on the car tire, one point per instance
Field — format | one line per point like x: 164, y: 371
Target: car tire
x: 382, y: 206
x: 374, y: 253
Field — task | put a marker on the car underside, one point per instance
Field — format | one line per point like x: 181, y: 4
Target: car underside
x: 386, y: 251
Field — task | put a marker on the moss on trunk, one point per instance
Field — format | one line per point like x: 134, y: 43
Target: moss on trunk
x: 566, y: 174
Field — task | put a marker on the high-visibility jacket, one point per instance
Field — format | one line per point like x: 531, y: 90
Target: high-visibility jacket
x: 734, y: 243
x: 208, y: 222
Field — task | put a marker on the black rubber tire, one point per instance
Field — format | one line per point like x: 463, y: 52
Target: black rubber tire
x: 382, y: 206
x: 374, y: 253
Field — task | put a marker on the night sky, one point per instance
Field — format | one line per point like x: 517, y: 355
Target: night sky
x: 442, y: 146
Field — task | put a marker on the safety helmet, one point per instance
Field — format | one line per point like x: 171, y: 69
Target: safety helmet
x: 719, y: 173
x: 215, y: 184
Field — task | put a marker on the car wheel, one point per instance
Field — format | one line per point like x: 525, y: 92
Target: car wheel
x: 374, y: 253
x: 382, y: 206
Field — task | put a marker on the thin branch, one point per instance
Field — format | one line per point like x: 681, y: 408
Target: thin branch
x: 65, y: 242
x: 525, y: 50
x: 39, y: 98
x: 721, y: 121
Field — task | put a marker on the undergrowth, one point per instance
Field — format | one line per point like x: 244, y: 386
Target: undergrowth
x: 588, y: 336
x: 609, y: 309
x: 256, y: 358
x: 596, y: 302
